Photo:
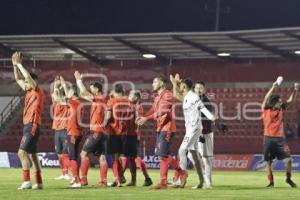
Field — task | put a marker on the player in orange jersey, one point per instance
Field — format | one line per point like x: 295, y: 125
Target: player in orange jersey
x: 96, y: 142
x: 73, y: 129
x: 162, y: 111
x: 32, y: 118
x: 59, y: 125
x: 273, y: 109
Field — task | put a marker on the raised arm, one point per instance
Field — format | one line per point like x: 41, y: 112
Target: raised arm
x: 268, y: 95
x: 57, y: 96
x: 293, y: 96
x: 18, y: 76
x: 64, y: 85
x: 175, y: 82
x: 17, y: 61
x: 84, y: 93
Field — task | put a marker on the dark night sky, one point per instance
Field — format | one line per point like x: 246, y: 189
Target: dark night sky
x: 138, y: 16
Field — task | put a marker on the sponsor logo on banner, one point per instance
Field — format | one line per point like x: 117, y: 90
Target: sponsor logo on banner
x: 259, y: 163
x: 4, y: 162
x: 48, y: 159
x: 152, y: 162
x: 232, y: 162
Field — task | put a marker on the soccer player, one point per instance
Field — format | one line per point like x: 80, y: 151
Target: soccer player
x: 117, y: 116
x: 129, y: 144
x: 73, y: 130
x: 162, y: 111
x: 205, y: 143
x: 192, y: 109
x: 96, y: 142
x: 273, y: 109
x: 32, y: 118
x: 59, y: 125
x: 135, y: 98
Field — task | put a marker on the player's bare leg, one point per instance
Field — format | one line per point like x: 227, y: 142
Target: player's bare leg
x: 103, y: 171
x: 84, y: 168
x: 23, y: 155
x: 36, y: 165
x: 288, y: 163
x: 198, y: 167
x: 270, y: 174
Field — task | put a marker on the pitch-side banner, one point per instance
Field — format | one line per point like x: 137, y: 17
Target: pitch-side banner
x: 228, y: 162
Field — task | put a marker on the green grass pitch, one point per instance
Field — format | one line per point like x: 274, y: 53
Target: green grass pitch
x: 227, y: 185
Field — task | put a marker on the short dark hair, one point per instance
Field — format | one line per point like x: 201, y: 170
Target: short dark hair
x: 33, y: 76
x: 273, y: 100
x: 188, y: 82
x: 201, y: 83
x: 163, y: 79
x: 119, y: 89
x: 98, y: 85
x: 138, y: 95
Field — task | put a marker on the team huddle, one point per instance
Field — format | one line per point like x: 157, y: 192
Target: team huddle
x: 115, y: 130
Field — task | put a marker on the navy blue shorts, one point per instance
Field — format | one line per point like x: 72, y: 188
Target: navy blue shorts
x: 61, y: 142
x: 30, y: 138
x: 129, y: 145
x: 275, y: 147
x: 73, y: 146
x: 163, y: 144
x: 96, y: 143
x: 115, y: 145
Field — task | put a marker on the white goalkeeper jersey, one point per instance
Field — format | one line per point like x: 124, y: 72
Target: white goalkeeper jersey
x: 192, y: 108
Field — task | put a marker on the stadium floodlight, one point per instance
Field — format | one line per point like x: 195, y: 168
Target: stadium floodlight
x: 223, y: 54
x: 149, y: 55
x: 297, y: 52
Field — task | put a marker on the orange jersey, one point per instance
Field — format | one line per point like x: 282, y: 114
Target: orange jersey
x: 60, y: 117
x: 133, y: 129
x: 122, y: 115
x: 97, y: 115
x: 162, y: 111
x: 33, y: 106
x: 273, y: 122
x: 73, y: 127
x: 139, y: 112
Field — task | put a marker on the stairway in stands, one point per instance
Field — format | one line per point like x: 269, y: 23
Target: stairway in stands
x: 11, y: 113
